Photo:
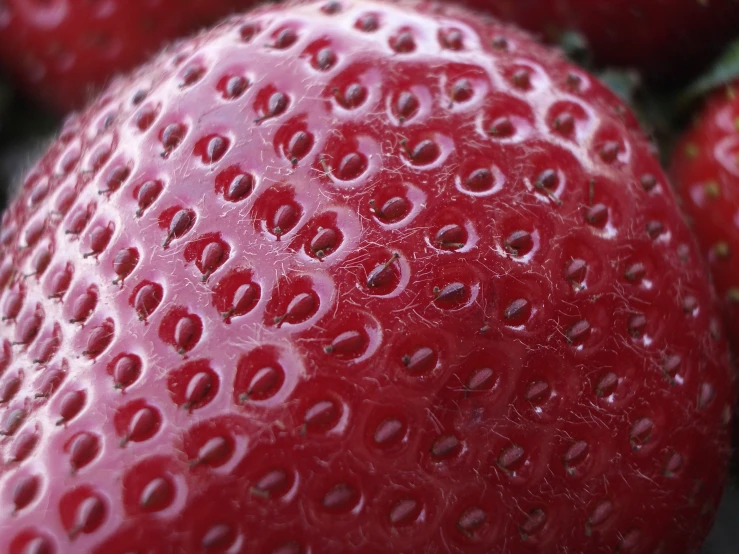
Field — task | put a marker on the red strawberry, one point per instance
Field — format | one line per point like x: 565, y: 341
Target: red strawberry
x: 705, y: 171
x: 356, y: 277
x: 664, y: 38
x: 61, y: 50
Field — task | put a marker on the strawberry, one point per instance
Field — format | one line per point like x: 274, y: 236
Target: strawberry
x: 59, y: 51
x: 705, y: 172
x: 666, y: 39
x: 356, y: 277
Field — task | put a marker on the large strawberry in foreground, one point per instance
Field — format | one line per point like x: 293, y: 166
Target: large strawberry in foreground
x: 705, y: 171
x: 665, y: 38
x: 356, y: 277
x: 60, y: 51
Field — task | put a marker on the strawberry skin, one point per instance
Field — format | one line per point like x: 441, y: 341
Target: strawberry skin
x: 356, y: 277
x: 61, y: 51
x: 705, y: 172
x: 664, y: 38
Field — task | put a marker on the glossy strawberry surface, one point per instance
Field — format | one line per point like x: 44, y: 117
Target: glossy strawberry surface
x: 705, y: 171
x: 356, y: 277
x: 61, y: 51
x: 664, y: 38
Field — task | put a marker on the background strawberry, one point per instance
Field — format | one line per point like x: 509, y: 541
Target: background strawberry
x: 666, y: 39
x: 705, y: 171
x: 60, y: 51
x: 356, y: 277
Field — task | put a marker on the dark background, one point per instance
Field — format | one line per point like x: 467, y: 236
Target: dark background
x: 725, y: 536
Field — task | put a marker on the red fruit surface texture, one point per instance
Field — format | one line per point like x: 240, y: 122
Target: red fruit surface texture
x: 705, y: 171
x: 356, y: 277
x: 62, y: 51
x: 666, y: 39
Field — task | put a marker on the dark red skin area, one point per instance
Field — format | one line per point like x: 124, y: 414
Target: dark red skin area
x: 705, y: 172
x: 356, y: 277
x: 62, y: 51
x: 666, y: 39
